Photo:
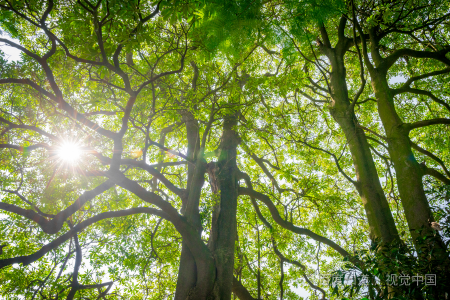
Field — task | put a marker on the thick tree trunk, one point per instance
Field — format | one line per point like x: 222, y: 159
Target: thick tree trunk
x: 189, y: 273
x: 381, y: 222
x: 379, y: 215
x: 408, y: 171
x: 192, y: 283
x: 377, y: 209
x: 223, y: 228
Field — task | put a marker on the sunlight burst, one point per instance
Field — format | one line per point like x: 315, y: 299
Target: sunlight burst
x: 69, y: 152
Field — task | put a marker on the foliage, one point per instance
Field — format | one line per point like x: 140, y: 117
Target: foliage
x: 199, y: 124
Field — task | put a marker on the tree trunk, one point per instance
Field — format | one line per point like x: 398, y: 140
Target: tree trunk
x: 381, y: 222
x: 192, y: 283
x: 189, y: 273
x: 223, y: 228
x: 408, y: 171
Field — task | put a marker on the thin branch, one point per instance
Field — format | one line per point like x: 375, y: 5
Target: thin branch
x: 355, y: 183
x: 62, y: 104
x: 301, y: 266
x: 28, y: 127
x: 28, y: 148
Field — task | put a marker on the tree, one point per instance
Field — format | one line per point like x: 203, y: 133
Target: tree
x: 195, y: 150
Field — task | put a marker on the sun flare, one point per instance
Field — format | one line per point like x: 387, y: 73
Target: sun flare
x: 69, y: 152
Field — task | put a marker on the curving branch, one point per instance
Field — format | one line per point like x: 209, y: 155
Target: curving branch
x: 61, y: 104
x: 311, y: 98
x: 296, y: 263
x: 28, y: 127
x: 423, y: 76
x: 419, y: 124
x: 75, y: 285
x: 151, y: 169
x: 155, y: 173
x: 55, y: 224
x: 240, y: 291
x: 260, y: 163
x: 28, y: 148
x: 274, y: 245
x: 421, y: 92
x: 435, y: 173
x: 21, y: 48
x: 21, y: 197
x: 28, y: 259
x: 101, y: 112
x: 163, y: 74
x: 76, y: 267
x: 391, y: 59
x: 373, y: 132
x: 190, y: 235
x: 336, y: 160
x: 361, y: 64
x: 288, y: 225
x: 162, y: 147
x: 432, y: 156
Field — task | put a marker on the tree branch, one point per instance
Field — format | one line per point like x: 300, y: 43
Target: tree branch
x: 432, y: 156
x: 355, y: 183
x: 419, y: 124
x: 407, y: 89
x: 423, y: 76
x: 240, y: 291
x: 435, y: 173
x: 28, y: 259
x: 288, y: 225
x: 296, y: 263
x: 391, y: 59
x: 29, y: 203
x: 54, y: 225
x: 63, y: 105
x: 29, y: 148
x: 33, y: 128
x: 361, y: 64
